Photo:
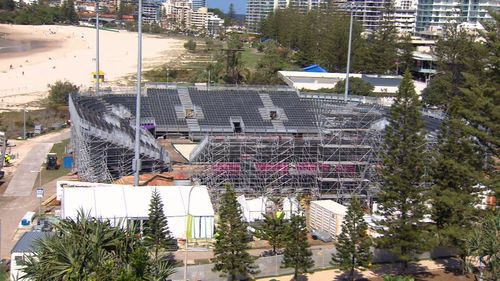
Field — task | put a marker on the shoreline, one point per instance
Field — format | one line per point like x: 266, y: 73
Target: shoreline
x: 70, y: 55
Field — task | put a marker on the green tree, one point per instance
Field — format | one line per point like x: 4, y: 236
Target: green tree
x: 190, y: 45
x: 231, y: 14
x: 274, y: 60
x: 401, y: 196
x: 484, y: 242
x: 356, y: 87
x: 457, y: 52
x: 231, y: 255
x: 59, y: 92
x: 68, y: 11
x: 405, y: 53
x: 297, y: 254
x: 8, y: 5
x: 480, y: 99
x: 273, y: 230
x: 157, y: 235
x: 353, y: 244
x: 91, y: 249
x: 455, y: 172
x: 380, y: 51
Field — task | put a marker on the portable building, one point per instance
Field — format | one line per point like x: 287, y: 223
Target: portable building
x: 327, y: 215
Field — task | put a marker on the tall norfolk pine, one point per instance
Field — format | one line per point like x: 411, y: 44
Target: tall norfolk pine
x: 297, y: 253
x: 401, y: 196
x: 231, y: 256
x: 353, y: 244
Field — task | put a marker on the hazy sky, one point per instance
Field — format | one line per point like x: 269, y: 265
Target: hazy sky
x: 239, y: 5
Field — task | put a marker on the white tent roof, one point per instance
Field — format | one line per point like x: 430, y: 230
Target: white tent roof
x: 253, y: 209
x: 120, y: 201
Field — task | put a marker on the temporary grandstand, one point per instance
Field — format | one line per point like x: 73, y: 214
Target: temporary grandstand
x: 266, y: 141
x: 102, y: 136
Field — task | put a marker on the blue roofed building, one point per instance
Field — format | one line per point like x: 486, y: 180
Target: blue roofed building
x: 23, y: 248
x: 314, y: 68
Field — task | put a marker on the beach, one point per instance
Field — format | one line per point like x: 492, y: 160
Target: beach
x: 48, y: 53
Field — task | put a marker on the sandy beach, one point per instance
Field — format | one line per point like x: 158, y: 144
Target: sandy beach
x: 68, y: 53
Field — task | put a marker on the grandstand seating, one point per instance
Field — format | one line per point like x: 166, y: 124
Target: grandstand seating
x: 216, y: 108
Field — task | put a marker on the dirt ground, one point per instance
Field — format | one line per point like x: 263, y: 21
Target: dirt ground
x: 426, y: 270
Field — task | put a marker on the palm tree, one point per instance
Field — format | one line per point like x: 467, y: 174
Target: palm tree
x: 92, y: 249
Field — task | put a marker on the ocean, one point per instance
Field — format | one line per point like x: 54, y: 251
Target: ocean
x: 15, y: 46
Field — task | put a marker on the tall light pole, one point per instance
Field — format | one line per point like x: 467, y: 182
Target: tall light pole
x: 346, y: 91
x: 97, y: 48
x: 24, y: 123
x: 187, y: 236
x: 137, y: 161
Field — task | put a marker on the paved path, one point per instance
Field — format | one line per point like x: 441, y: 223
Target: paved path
x: 18, y: 198
x: 27, y: 172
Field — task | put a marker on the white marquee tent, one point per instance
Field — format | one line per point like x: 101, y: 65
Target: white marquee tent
x: 110, y: 201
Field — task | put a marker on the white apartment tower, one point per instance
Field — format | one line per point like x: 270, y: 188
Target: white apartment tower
x: 438, y: 13
x: 404, y: 15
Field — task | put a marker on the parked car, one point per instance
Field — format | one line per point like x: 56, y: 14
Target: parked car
x: 321, y: 235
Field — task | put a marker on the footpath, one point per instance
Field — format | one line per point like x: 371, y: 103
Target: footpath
x: 19, y: 197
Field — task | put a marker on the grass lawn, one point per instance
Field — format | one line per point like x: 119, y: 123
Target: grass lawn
x: 250, y: 57
x: 50, y: 175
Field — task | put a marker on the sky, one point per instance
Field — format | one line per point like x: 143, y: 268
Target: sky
x: 239, y: 5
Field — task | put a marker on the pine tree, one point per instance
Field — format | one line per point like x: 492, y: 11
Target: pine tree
x: 380, y: 54
x: 231, y: 14
x: 297, y: 254
x: 405, y: 54
x: 455, y: 173
x: 401, y: 197
x: 353, y: 244
x: 156, y: 233
x: 230, y: 251
x: 273, y: 230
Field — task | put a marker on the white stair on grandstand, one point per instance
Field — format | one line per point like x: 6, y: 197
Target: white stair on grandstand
x: 193, y: 124
x: 264, y: 112
x: 185, y: 98
x: 266, y: 100
x: 278, y: 125
x: 186, y: 102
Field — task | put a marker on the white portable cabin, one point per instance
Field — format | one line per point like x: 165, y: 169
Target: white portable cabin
x: 129, y: 203
x: 327, y: 215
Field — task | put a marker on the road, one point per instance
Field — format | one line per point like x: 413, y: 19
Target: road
x: 19, y: 198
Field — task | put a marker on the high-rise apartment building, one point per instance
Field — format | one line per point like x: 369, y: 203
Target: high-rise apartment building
x: 403, y: 15
x: 257, y: 10
x: 370, y: 13
x: 437, y: 13
x: 198, y: 4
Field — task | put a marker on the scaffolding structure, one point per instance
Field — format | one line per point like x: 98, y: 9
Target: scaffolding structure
x: 102, y: 137
x: 340, y: 161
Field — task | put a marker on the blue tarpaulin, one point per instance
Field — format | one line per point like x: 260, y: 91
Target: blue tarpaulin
x: 314, y: 68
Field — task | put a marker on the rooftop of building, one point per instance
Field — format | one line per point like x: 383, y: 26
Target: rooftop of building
x: 28, y: 241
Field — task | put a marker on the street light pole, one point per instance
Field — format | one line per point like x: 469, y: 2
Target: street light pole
x: 346, y: 91
x: 138, y: 98
x: 24, y: 123
x: 187, y: 236
x: 97, y: 48
x: 40, y: 201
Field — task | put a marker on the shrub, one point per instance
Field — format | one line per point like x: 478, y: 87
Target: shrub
x: 190, y: 45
